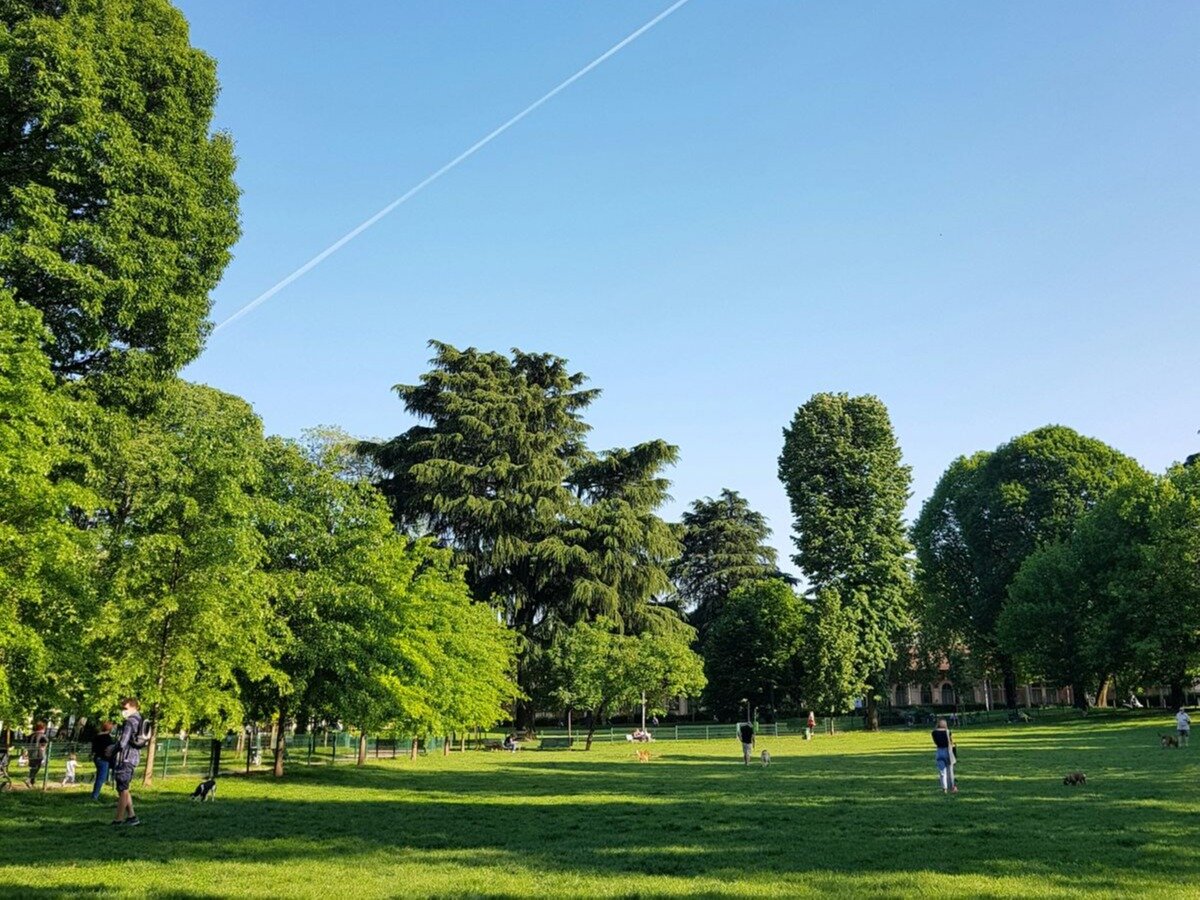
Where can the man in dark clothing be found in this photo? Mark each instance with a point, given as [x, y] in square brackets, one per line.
[746, 736]
[39, 747]
[101, 741]
[125, 757]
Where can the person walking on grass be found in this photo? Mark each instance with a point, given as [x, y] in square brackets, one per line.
[101, 741]
[1183, 724]
[746, 736]
[39, 746]
[126, 755]
[943, 740]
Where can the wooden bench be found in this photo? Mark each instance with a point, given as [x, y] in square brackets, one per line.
[556, 743]
[493, 745]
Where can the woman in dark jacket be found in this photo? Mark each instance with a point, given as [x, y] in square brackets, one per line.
[943, 740]
[100, 743]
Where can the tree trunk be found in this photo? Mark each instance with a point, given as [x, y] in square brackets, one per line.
[1010, 682]
[214, 759]
[279, 740]
[362, 747]
[1078, 695]
[446, 746]
[412, 750]
[592, 720]
[148, 775]
[1176, 694]
[1105, 688]
[872, 721]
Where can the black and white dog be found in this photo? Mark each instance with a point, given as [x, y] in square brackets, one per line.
[205, 790]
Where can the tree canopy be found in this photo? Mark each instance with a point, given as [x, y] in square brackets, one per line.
[847, 486]
[723, 546]
[118, 208]
[988, 513]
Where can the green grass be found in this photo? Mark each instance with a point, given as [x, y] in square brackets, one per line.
[853, 815]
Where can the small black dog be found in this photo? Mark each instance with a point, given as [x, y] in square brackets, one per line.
[205, 790]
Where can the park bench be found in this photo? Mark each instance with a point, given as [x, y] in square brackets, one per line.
[556, 743]
[493, 745]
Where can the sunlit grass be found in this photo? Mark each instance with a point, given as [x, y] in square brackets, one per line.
[856, 815]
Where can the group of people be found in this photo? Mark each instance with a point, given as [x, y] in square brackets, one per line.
[112, 754]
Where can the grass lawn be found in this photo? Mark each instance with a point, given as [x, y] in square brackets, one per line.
[854, 815]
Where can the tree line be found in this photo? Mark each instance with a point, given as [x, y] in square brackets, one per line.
[486, 563]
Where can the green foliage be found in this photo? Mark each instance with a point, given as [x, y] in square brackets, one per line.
[751, 648]
[118, 209]
[842, 469]
[723, 546]
[988, 513]
[1076, 606]
[377, 630]
[41, 557]
[183, 606]
[550, 533]
[602, 670]
[830, 677]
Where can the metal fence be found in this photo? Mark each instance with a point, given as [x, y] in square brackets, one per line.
[253, 752]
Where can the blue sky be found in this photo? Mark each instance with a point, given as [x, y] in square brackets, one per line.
[986, 214]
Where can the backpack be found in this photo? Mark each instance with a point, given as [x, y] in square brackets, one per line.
[143, 732]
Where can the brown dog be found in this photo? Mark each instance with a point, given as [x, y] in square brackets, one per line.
[1169, 741]
[1075, 778]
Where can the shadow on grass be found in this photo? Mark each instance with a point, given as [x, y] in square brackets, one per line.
[815, 810]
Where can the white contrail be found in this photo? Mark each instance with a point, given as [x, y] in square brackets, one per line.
[417, 188]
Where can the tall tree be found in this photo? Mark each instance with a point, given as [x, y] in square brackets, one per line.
[184, 607]
[842, 469]
[118, 208]
[750, 652]
[1092, 585]
[988, 513]
[724, 546]
[827, 654]
[549, 532]
[43, 564]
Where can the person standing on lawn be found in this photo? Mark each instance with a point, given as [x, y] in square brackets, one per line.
[101, 741]
[39, 746]
[943, 740]
[125, 757]
[1183, 724]
[746, 736]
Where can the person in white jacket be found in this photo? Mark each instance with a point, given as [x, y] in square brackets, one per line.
[1183, 724]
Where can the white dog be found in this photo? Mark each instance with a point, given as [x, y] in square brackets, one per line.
[766, 757]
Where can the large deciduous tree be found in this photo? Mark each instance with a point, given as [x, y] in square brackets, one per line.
[751, 649]
[602, 670]
[988, 513]
[550, 533]
[184, 609]
[842, 469]
[42, 562]
[723, 546]
[117, 204]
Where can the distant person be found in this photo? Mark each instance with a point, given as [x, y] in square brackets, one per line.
[38, 749]
[811, 725]
[126, 755]
[1183, 724]
[510, 742]
[101, 741]
[943, 740]
[746, 736]
[72, 763]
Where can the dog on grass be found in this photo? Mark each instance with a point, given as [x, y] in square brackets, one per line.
[1169, 741]
[766, 757]
[1075, 778]
[643, 755]
[205, 790]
